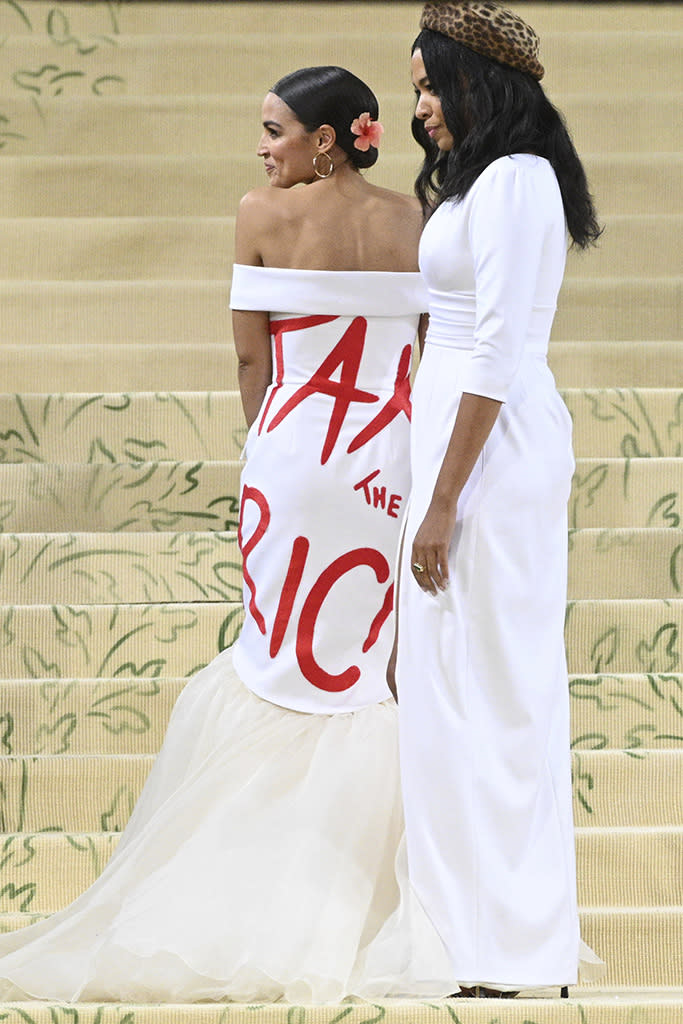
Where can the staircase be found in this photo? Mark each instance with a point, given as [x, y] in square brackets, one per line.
[127, 136]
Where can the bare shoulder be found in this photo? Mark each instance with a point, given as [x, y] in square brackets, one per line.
[255, 203]
[400, 204]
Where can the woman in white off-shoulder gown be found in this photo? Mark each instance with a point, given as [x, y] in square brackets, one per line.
[264, 857]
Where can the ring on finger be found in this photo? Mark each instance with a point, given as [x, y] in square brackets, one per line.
[417, 567]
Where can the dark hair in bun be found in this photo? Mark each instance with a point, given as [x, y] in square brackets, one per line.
[334, 96]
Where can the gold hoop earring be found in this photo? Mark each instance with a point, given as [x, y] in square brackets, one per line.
[319, 173]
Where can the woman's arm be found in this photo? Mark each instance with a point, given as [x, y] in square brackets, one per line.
[507, 227]
[251, 334]
[473, 424]
[422, 331]
[251, 329]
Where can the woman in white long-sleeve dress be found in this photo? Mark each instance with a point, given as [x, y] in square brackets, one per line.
[481, 668]
[262, 859]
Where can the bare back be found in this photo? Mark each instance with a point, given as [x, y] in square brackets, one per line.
[342, 223]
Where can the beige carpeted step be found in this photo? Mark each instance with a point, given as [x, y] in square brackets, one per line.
[160, 496]
[95, 367]
[645, 563]
[130, 568]
[89, 793]
[86, 716]
[619, 308]
[144, 496]
[624, 636]
[647, 862]
[619, 364]
[174, 186]
[633, 245]
[150, 16]
[626, 421]
[129, 715]
[209, 125]
[43, 872]
[628, 711]
[118, 248]
[121, 427]
[621, 1007]
[637, 944]
[627, 493]
[67, 641]
[124, 427]
[95, 568]
[201, 248]
[62, 312]
[149, 64]
[124, 367]
[114, 640]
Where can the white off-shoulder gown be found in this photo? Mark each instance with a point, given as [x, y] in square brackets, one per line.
[264, 858]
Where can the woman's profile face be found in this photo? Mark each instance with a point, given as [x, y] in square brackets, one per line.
[428, 107]
[285, 145]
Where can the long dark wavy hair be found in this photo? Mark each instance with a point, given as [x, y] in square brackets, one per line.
[331, 95]
[491, 111]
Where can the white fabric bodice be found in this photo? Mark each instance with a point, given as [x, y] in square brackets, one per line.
[493, 263]
[325, 484]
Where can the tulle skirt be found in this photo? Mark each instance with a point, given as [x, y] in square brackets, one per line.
[264, 860]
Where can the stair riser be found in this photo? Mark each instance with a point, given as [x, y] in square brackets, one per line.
[628, 422]
[624, 1009]
[594, 364]
[129, 716]
[131, 568]
[625, 564]
[177, 496]
[148, 65]
[124, 427]
[43, 873]
[202, 249]
[121, 640]
[148, 18]
[149, 186]
[90, 794]
[119, 427]
[63, 312]
[85, 641]
[96, 367]
[211, 125]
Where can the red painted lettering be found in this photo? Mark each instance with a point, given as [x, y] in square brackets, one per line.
[379, 497]
[364, 484]
[305, 635]
[379, 619]
[399, 402]
[394, 502]
[347, 353]
[289, 590]
[253, 494]
[278, 328]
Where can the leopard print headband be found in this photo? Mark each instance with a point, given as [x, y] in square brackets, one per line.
[486, 28]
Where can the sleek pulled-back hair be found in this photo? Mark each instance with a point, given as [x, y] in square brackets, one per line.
[491, 111]
[334, 96]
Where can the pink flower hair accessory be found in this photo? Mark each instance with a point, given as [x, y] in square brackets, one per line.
[369, 132]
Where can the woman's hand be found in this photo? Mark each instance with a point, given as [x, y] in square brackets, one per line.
[429, 556]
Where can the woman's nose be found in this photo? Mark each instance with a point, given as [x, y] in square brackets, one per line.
[262, 149]
[422, 108]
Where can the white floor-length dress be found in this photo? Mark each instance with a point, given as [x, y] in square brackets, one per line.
[265, 855]
[482, 677]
